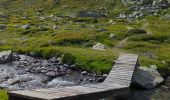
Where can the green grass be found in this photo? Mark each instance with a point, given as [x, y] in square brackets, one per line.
[76, 36]
[3, 95]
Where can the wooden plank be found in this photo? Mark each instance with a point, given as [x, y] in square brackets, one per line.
[122, 74]
[33, 95]
[65, 89]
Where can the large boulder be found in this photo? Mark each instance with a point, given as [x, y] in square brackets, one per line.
[5, 56]
[146, 78]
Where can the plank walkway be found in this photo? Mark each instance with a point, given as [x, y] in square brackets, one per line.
[117, 83]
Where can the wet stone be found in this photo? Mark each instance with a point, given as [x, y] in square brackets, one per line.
[25, 72]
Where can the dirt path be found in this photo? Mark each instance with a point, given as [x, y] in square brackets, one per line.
[122, 42]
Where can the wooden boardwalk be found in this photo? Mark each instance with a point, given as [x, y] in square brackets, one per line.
[117, 83]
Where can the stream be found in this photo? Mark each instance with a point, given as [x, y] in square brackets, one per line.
[160, 93]
[25, 72]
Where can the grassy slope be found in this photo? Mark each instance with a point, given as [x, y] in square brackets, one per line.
[78, 38]
[74, 35]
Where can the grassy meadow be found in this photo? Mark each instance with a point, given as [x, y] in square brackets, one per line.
[74, 37]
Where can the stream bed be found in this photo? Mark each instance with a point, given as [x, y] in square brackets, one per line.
[25, 72]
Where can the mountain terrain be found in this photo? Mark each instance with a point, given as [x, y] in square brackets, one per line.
[71, 28]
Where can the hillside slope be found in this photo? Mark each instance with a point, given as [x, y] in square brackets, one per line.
[49, 28]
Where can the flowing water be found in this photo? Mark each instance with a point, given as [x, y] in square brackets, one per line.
[31, 73]
[159, 93]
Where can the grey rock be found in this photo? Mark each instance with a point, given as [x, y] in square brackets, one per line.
[42, 19]
[27, 26]
[150, 55]
[4, 85]
[2, 42]
[101, 79]
[112, 36]
[91, 80]
[84, 73]
[167, 16]
[99, 46]
[144, 7]
[51, 74]
[5, 56]
[55, 27]
[14, 87]
[122, 15]
[105, 75]
[147, 78]
[91, 14]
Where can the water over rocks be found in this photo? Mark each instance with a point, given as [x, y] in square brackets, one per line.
[25, 72]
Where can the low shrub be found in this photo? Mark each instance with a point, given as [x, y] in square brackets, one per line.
[50, 52]
[68, 59]
[137, 31]
[165, 71]
[153, 38]
[34, 30]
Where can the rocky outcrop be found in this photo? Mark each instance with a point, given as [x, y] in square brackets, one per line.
[141, 8]
[5, 56]
[147, 78]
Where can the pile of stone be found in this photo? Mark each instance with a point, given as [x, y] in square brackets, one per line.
[99, 46]
[20, 72]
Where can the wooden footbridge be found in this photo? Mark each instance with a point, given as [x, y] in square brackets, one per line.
[117, 83]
